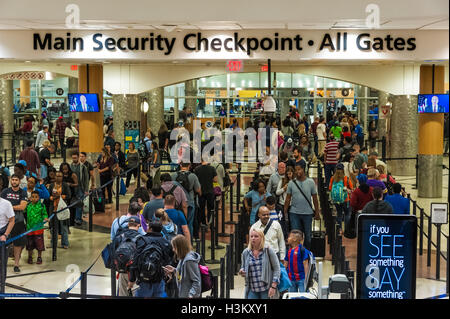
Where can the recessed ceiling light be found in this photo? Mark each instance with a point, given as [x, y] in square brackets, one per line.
[27, 61]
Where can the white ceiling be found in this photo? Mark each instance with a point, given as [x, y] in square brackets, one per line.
[223, 15]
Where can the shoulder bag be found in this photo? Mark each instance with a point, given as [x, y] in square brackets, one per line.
[295, 182]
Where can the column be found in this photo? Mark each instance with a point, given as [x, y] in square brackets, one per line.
[284, 103]
[190, 89]
[73, 88]
[91, 124]
[127, 107]
[431, 140]
[361, 92]
[155, 114]
[6, 112]
[403, 135]
[25, 91]
[383, 99]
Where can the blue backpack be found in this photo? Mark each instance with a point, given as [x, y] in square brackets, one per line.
[338, 194]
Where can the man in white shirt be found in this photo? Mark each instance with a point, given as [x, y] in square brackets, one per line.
[273, 232]
[6, 224]
[321, 135]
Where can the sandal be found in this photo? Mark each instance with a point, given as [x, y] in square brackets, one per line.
[39, 261]
[30, 260]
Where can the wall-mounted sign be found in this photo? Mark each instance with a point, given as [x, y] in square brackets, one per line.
[131, 134]
[439, 213]
[59, 91]
[235, 66]
[294, 92]
[386, 265]
[24, 76]
[264, 68]
[385, 111]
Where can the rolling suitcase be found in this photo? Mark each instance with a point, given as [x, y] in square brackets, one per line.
[318, 241]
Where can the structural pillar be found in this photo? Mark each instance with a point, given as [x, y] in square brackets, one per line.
[90, 80]
[362, 107]
[73, 88]
[6, 112]
[155, 114]
[24, 91]
[127, 107]
[431, 139]
[383, 124]
[403, 135]
[190, 89]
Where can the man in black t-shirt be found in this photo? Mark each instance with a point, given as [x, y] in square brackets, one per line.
[44, 158]
[89, 167]
[207, 175]
[18, 199]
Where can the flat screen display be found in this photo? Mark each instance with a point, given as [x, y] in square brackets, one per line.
[386, 265]
[432, 103]
[83, 102]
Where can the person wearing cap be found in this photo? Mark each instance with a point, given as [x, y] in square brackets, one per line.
[342, 209]
[288, 147]
[30, 158]
[42, 136]
[362, 194]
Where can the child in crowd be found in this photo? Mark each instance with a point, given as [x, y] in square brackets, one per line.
[296, 261]
[35, 215]
[169, 228]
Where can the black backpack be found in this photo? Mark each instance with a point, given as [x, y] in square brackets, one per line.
[183, 179]
[124, 253]
[149, 263]
[4, 178]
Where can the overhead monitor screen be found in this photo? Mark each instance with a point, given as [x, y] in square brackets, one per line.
[432, 103]
[83, 102]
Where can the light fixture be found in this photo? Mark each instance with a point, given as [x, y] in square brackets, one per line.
[250, 83]
[27, 61]
[144, 106]
[269, 104]
[112, 107]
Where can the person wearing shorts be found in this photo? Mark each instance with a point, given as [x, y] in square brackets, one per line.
[18, 199]
[36, 216]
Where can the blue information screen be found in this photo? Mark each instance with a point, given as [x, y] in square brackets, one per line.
[432, 103]
[387, 246]
[83, 102]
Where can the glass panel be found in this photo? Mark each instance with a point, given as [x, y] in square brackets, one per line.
[303, 81]
[284, 80]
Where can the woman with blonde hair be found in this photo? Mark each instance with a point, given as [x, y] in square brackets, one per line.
[187, 273]
[260, 267]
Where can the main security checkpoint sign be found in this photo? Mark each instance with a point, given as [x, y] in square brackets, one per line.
[387, 246]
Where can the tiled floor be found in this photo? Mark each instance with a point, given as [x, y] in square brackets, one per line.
[85, 248]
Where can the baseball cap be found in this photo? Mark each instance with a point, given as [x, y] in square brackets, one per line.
[289, 140]
[340, 166]
[23, 163]
[134, 219]
[60, 117]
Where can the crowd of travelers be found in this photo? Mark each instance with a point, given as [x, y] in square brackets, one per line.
[165, 215]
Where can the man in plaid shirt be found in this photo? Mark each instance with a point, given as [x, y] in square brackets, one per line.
[60, 129]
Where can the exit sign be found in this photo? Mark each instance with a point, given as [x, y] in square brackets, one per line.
[235, 66]
[264, 68]
[74, 67]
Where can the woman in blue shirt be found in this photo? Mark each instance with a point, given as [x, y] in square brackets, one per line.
[258, 196]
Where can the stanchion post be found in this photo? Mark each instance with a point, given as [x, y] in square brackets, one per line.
[212, 246]
[203, 231]
[223, 214]
[113, 282]
[222, 278]
[91, 211]
[438, 252]
[3, 265]
[421, 233]
[228, 267]
[417, 172]
[197, 246]
[5, 158]
[383, 149]
[237, 244]
[83, 285]
[238, 190]
[430, 229]
[215, 292]
[231, 202]
[232, 258]
[55, 227]
[117, 192]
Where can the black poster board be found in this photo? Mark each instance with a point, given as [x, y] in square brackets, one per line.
[386, 265]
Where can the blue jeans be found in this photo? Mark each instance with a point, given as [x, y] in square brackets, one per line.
[329, 171]
[190, 220]
[44, 171]
[156, 290]
[343, 211]
[79, 214]
[297, 286]
[258, 295]
[303, 223]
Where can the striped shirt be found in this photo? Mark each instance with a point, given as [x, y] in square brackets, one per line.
[295, 258]
[255, 273]
[332, 150]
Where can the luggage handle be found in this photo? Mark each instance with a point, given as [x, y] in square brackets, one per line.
[320, 223]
